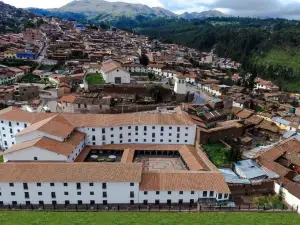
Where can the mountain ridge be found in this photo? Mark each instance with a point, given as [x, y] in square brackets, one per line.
[110, 10]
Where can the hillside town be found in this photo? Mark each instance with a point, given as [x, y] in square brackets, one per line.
[102, 116]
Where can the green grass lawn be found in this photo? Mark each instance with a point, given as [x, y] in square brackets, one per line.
[1, 158]
[95, 79]
[218, 153]
[146, 218]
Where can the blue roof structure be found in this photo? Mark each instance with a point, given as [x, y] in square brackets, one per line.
[232, 178]
[289, 134]
[281, 121]
[249, 169]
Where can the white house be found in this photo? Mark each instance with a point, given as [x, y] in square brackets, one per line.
[135, 68]
[114, 73]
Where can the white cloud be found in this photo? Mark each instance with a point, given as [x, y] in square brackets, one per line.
[37, 3]
[59, 3]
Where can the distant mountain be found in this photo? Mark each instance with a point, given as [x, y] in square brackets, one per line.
[204, 14]
[93, 8]
[13, 19]
[100, 10]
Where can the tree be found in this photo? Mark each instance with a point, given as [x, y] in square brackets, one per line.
[144, 60]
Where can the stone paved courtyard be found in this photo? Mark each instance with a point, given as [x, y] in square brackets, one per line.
[160, 163]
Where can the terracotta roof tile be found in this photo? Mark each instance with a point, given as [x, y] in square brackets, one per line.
[70, 172]
[191, 158]
[184, 181]
[63, 148]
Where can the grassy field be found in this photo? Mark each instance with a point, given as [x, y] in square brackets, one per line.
[95, 79]
[55, 218]
[218, 153]
[282, 57]
[1, 158]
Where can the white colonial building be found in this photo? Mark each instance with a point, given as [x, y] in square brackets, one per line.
[48, 155]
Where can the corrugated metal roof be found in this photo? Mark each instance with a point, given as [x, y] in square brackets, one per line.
[281, 121]
[250, 169]
[232, 178]
[289, 134]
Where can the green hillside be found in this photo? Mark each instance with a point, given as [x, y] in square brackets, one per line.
[266, 47]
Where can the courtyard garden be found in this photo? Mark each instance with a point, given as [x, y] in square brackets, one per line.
[95, 78]
[218, 153]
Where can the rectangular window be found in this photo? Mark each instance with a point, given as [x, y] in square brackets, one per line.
[219, 196]
[11, 131]
[145, 128]
[52, 184]
[104, 194]
[91, 184]
[25, 186]
[131, 202]
[131, 184]
[178, 135]
[103, 138]
[225, 195]
[121, 128]
[121, 136]
[178, 129]
[129, 127]
[103, 130]
[9, 123]
[91, 193]
[65, 184]
[38, 184]
[104, 202]
[35, 158]
[162, 129]
[157, 192]
[153, 127]
[40, 193]
[66, 193]
[204, 193]
[11, 184]
[145, 192]
[78, 185]
[170, 128]
[78, 192]
[169, 201]
[13, 193]
[132, 194]
[192, 192]
[53, 195]
[181, 192]
[93, 138]
[180, 201]
[153, 135]
[104, 186]
[79, 202]
[93, 129]
[92, 202]
[25, 125]
[169, 192]
[211, 194]
[157, 202]
[145, 202]
[112, 129]
[136, 128]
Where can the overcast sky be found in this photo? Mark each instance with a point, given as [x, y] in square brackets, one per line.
[275, 8]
